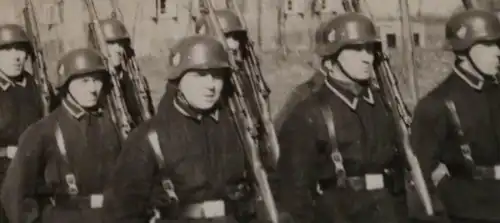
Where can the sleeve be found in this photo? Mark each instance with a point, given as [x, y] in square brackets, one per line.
[20, 183]
[127, 195]
[428, 132]
[295, 171]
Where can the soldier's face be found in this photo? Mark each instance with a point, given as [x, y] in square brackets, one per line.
[233, 43]
[357, 61]
[12, 60]
[202, 88]
[486, 57]
[116, 52]
[86, 90]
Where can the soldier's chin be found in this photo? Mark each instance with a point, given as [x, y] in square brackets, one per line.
[364, 81]
[205, 105]
[89, 103]
[13, 72]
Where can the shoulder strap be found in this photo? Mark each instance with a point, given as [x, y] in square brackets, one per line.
[69, 177]
[166, 183]
[335, 155]
[455, 121]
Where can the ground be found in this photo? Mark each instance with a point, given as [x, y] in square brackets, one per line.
[283, 75]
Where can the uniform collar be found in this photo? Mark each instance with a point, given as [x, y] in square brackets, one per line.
[475, 81]
[182, 106]
[349, 98]
[76, 110]
[6, 83]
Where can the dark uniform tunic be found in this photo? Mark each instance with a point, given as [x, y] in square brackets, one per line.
[366, 139]
[203, 159]
[477, 101]
[38, 170]
[20, 106]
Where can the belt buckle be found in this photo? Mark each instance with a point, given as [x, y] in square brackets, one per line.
[374, 181]
[213, 209]
[496, 170]
[207, 209]
[11, 152]
[96, 201]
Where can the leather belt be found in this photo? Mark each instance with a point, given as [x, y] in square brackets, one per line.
[94, 201]
[487, 172]
[206, 209]
[368, 182]
[479, 173]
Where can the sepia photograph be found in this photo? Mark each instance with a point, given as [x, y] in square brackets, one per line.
[249, 111]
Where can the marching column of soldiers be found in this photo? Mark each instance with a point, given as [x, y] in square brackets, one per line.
[341, 151]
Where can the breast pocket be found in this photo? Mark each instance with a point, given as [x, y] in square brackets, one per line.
[7, 111]
[189, 172]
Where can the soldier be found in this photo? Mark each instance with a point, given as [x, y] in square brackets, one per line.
[20, 102]
[236, 34]
[338, 144]
[64, 160]
[120, 49]
[239, 43]
[189, 153]
[458, 147]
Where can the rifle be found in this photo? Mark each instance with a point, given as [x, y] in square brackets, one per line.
[141, 86]
[37, 58]
[261, 92]
[118, 109]
[132, 69]
[245, 126]
[392, 97]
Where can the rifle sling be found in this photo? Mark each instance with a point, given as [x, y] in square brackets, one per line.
[335, 155]
[166, 183]
[457, 127]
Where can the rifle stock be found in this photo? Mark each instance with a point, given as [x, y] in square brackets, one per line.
[118, 109]
[38, 62]
[245, 126]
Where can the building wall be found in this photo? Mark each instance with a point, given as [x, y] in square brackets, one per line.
[272, 25]
[387, 27]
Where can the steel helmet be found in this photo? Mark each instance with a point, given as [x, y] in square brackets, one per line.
[114, 30]
[466, 28]
[196, 52]
[79, 62]
[343, 30]
[12, 33]
[228, 20]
